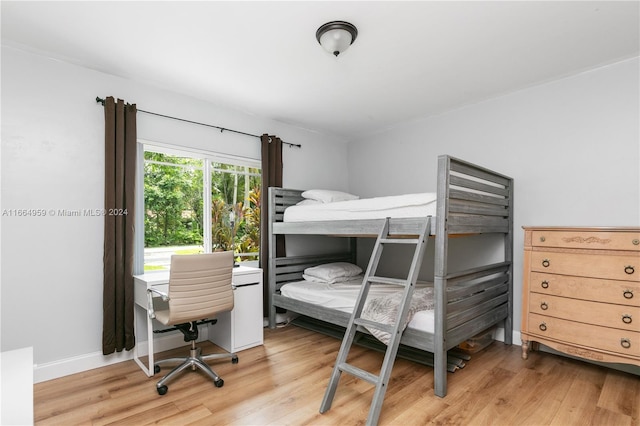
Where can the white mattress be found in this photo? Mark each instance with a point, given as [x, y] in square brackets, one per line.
[342, 296]
[397, 206]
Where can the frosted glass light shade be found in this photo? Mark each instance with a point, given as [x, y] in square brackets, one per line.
[336, 37]
[335, 41]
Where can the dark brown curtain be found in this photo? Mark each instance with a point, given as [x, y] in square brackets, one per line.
[271, 176]
[119, 202]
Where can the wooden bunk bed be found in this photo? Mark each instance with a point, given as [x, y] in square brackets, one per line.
[471, 200]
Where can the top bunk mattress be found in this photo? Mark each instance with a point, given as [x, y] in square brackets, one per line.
[396, 206]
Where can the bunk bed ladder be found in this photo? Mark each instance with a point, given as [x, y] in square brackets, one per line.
[395, 330]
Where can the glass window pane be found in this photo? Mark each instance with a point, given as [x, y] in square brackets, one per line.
[235, 210]
[173, 198]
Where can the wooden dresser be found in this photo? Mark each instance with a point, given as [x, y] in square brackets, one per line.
[581, 292]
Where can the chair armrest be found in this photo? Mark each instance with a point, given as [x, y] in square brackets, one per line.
[162, 294]
[150, 291]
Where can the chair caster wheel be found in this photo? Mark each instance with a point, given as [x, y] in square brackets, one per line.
[162, 390]
[218, 383]
[234, 360]
[156, 369]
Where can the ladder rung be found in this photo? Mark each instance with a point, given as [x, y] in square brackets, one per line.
[387, 328]
[385, 280]
[413, 241]
[358, 372]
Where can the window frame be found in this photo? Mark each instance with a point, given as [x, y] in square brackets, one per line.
[208, 158]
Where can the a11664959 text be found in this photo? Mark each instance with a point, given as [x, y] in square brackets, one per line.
[29, 212]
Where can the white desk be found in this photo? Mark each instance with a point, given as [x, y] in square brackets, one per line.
[239, 329]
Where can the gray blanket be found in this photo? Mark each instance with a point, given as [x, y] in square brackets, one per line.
[385, 310]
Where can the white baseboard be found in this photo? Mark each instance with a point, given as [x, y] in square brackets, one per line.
[498, 335]
[517, 338]
[78, 364]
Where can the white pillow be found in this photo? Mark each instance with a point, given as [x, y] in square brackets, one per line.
[328, 196]
[331, 272]
[308, 202]
[334, 280]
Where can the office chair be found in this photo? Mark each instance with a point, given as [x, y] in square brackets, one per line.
[199, 288]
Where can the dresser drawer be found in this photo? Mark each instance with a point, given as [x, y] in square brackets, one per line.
[606, 315]
[604, 240]
[604, 338]
[606, 291]
[623, 267]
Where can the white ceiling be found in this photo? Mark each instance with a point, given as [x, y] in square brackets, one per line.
[410, 60]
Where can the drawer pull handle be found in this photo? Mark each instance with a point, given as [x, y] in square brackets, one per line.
[625, 343]
[628, 294]
[544, 284]
[546, 263]
[544, 306]
[543, 327]
[626, 318]
[636, 242]
[629, 270]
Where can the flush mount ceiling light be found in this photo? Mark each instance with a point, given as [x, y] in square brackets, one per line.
[336, 36]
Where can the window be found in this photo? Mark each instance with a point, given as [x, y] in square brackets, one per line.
[197, 202]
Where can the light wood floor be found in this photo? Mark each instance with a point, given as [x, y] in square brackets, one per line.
[283, 382]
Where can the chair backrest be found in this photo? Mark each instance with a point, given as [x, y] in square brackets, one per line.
[200, 286]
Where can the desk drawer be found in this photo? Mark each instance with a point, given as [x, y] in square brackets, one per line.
[604, 314]
[246, 279]
[606, 291]
[622, 267]
[603, 240]
[597, 337]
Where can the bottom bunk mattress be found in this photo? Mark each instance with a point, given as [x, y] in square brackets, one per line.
[342, 296]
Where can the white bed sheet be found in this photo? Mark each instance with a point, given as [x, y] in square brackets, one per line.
[342, 296]
[397, 206]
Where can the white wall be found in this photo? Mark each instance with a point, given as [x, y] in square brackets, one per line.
[52, 158]
[572, 147]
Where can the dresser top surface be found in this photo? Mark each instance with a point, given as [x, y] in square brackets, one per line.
[583, 228]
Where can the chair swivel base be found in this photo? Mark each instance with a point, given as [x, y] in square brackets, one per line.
[195, 359]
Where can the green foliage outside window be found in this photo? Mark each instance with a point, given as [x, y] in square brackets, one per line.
[173, 193]
[173, 200]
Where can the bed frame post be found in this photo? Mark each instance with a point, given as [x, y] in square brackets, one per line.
[440, 279]
[508, 257]
[271, 287]
[353, 249]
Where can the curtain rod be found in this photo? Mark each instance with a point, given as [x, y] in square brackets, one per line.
[222, 129]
